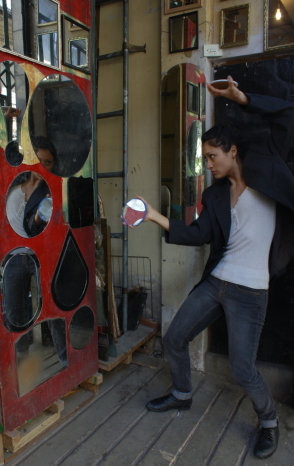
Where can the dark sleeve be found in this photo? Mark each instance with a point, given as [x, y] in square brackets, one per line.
[29, 224]
[279, 114]
[196, 234]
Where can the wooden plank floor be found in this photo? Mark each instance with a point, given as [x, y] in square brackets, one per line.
[114, 427]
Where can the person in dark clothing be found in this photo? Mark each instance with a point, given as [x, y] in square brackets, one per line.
[243, 220]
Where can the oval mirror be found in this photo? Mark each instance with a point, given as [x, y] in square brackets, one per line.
[81, 328]
[21, 289]
[60, 120]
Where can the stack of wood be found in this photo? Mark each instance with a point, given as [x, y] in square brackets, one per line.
[103, 270]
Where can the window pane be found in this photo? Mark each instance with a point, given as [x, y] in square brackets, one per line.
[47, 11]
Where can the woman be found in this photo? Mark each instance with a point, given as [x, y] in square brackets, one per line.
[240, 221]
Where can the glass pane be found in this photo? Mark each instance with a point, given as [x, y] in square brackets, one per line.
[47, 11]
[59, 113]
[80, 202]
[28, 204]
[13, 100]
[41, 353]
[78, 52]
[75, 44]
[81, 328]
[47, 48]
[31, 29]
[21, 293]
[70, 279]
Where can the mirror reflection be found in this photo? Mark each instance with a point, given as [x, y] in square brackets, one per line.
[25, 204]
[183, 112]
[21, 289]
[134, 212]
[71, 276]
[30, 28]
[75, 44]
[41, 353]
[47, 11]
[59, 113]
[13, 100]
[81, 328]
[183, 32]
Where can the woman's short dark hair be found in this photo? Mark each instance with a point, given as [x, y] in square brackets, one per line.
[224, 136]
[41, 142]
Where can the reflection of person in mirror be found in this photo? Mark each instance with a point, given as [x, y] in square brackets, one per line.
[11, 112]
[45, 152]
[23, 200]
[243, 216]
[22, 203]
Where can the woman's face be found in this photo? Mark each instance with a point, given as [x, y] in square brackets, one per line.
[46, 158]
[220, 163]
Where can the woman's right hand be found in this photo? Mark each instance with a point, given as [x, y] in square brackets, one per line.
[231, 92]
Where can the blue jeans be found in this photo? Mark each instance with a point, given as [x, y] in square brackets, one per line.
[244, 309]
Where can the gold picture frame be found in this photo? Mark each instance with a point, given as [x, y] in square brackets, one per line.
[278, 30]
[234, 26]
[171, 6]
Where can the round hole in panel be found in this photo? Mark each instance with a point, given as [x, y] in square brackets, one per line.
[60, 123]
[81, 328]
[13, 101]
[28, 204]
[21, 289]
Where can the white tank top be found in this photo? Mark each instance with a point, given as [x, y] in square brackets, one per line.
[245, 261]
[15, 206]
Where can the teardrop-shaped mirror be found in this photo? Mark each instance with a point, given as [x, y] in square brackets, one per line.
[70, 278]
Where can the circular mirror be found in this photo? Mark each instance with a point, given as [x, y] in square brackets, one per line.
[21, 289]
[81, 328]
[28, 204]
[134, 212]
[60, 125]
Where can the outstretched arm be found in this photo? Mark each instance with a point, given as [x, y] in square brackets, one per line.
[278, 113]
[177, 232]
[154, 216]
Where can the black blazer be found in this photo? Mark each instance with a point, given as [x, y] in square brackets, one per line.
[265, 171]
[29, 224]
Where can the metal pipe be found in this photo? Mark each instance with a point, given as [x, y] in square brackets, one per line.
[94, 103]
[125, 159]
[108, 56]
[110, 175]
[6, 25]
[115, 113]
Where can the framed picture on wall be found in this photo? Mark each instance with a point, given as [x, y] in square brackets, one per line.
[234, 26]
[172, 6]
[278, 24]
[183, 32]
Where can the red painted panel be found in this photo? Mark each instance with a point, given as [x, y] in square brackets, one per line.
[47, 246]
[80, 10]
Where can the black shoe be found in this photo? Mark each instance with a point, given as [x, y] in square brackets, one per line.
[167, 402]
[267, 442]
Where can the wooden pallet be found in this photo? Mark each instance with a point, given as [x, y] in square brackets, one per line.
[22, 436]
[18, 438]
[128, 343]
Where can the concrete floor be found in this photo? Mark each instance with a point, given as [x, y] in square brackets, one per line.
[114, 427]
